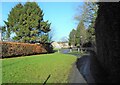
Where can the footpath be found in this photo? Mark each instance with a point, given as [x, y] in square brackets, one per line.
[80, 73]
[76, 76]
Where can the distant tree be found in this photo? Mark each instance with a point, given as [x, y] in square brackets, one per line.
[26, 21]
[91, 13]
[81, 33]
[90, 18]
[88, 14]
[91, 34]
[72, 37]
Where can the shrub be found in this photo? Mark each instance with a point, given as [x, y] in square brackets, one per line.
[12, 49]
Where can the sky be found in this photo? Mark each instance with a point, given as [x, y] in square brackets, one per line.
[60, 15]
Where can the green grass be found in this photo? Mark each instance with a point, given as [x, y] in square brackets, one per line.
[36, 68]
[76, 53]
[56, 49]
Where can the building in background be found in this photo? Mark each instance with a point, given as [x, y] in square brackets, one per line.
[64, 44]
[60, 45]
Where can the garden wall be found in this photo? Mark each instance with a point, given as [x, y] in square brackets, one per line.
[12, 49]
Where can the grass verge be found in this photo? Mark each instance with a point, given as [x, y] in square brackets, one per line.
[36, 68]
[76, 53]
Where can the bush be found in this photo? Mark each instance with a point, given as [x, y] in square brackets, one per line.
[11, 49]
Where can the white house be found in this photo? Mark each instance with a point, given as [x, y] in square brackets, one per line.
[56, 45]
[60, 45]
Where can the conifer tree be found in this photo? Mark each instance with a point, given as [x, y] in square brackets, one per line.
[26, 21]
[80, 33]
[72, 37]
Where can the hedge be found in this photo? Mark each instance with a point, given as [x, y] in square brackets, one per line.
[12, 49]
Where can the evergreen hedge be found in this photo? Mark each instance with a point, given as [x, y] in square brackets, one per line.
[12, 49]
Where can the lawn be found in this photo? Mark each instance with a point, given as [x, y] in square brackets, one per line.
[36, 68]
[76, 53]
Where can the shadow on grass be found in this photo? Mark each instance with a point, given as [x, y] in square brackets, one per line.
[46, 80]
[16, 56]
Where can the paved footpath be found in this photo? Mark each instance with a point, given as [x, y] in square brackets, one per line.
[83, 65]
[76, 76]
[81, 68]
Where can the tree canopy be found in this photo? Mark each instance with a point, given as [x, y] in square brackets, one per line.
[26, 22]
[80, 33]
[85, 31]
[72, 39]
